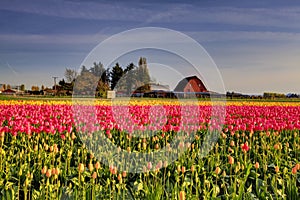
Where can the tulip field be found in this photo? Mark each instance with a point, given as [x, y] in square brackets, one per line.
[255, 156]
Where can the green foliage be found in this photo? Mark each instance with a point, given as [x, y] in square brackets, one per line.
[23, 159]
[116, 74]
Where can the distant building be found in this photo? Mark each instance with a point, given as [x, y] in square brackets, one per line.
[190, 84]
[9, 92]
[1, 88]
[191, 87]
[236, 95]
[153, 90]
[48, 91]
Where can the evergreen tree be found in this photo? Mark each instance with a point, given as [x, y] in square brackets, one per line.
[130, 78]
[116, 73]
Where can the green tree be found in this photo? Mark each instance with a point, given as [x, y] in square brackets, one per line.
[116, 73]
[86, 83]
[130, 78]
[97, 69]
[106, 76]
[35, 88]
[70, 75]
[84, 69]
[102, 89]
[22, 87]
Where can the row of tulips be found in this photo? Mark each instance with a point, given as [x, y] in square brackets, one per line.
[60, 118]
[43, 153]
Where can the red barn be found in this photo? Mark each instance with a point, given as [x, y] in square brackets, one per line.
[190, 84]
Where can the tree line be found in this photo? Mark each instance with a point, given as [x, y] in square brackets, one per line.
[98, 80]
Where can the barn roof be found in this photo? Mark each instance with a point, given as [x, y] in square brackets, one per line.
[181, 85]
[9, 91]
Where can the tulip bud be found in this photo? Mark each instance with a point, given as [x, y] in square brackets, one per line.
[94, 175]
[2, 134]
[276, 169]
[218, 170]
[35, 148]
[91, 156]
[20, 172]
[48, 173]
[181, 195]
[113, 170]
[144, 145]
[193, 146]
[232, 143]
[178, 168]
[57, 171]
[26, 182]
[165, 163]
[73, 136]
[119, 149]
[149, 165]
[287, 144]
[192, 168]
[97, 165]
[183, 169]
[230, 160]
[294, 170]
[53, 171]
[224, 136]
[256, 165]
[224, 173]
[119, 177]
[81, 167]
[44, 170]
[91, 167]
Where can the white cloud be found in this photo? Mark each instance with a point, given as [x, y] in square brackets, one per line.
[52, 39]
[144, 13]
[215, 36]
[78, 9]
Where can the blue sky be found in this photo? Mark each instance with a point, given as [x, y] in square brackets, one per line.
[255, 44]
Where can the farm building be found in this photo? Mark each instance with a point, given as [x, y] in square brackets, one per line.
[189, 87]
[153, 90]
[190, 84]
[2, 88]
[9, 92]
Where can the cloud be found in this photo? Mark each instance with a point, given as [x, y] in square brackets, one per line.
[58, 39]
[215, 36]
[77, 9]
[162, 12]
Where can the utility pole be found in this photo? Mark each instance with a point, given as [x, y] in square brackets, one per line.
[54, 78]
